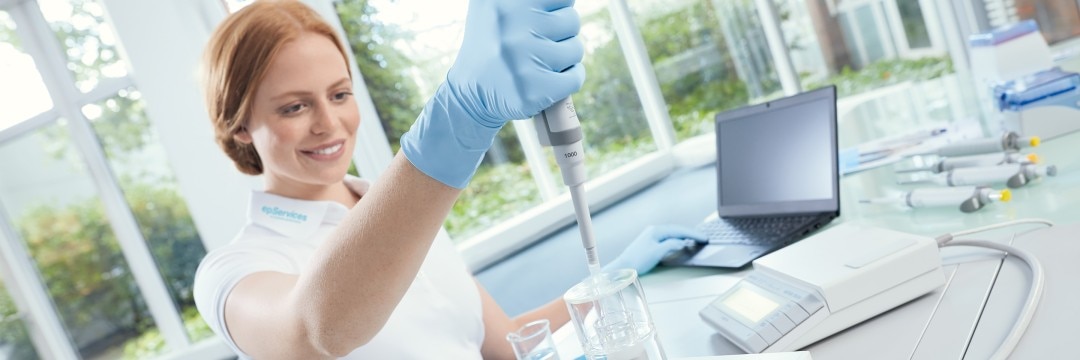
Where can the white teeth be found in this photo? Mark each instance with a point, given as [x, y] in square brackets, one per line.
[329, 150]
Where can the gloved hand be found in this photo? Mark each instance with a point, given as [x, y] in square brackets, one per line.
[652, 245]
[518, 57]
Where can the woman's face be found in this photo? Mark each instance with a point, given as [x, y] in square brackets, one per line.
[304, 118]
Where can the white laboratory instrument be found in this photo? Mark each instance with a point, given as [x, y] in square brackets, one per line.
[967, 198]
[1009, 52]
[1013, 175]
[558, 126]
[1009, 141]
[957, 162]
[824, 284]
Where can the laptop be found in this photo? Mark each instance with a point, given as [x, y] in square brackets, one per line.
[777, 179]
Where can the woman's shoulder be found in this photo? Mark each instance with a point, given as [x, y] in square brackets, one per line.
[254, 245]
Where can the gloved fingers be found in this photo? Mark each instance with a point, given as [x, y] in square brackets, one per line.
[559, 85]
[669, 245]
[561, 55]
[551, 5]
[557, 25]
[660, 232]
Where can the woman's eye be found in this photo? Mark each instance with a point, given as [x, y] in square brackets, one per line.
[342, 95]
[292, 109]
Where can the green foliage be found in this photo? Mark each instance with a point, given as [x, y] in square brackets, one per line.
[386, 71]
[886, 72]
[84, 270]
[145, 346]
[12, 332]
[495, 190]
[174, 241]
[152, 343]
[123, 126]
[81, 37]
[694, 97]
[7, 31]
[197, 329]
[85, 273]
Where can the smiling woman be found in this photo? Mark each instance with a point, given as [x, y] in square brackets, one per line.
[303, 120]
[279, 93]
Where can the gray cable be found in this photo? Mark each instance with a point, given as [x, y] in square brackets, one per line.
[1034, 293]
[1037, 279]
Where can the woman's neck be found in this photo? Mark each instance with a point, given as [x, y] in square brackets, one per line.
[337, 192]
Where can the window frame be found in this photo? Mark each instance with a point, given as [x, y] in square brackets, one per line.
[49, 333]
[372, 155]
[494, 244]
[900, 38]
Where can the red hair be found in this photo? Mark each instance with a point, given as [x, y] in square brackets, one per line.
[236, 61]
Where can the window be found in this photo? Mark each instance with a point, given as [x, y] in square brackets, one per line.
[1058, 20]
[88, 192]
[915, 29]
[403, 50]
[52, 201]
[14, 340]
[709, 56]
[89, 44]
[862, 45]
[23, 94]
[141, 167]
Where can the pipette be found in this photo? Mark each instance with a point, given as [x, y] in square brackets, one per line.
[951, 163]
[558, 126]
[1013, 175]
[968, 198]
[1009, 141]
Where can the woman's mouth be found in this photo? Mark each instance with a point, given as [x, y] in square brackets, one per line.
[329, 152]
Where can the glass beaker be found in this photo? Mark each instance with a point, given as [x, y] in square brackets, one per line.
[612, 318]
[533, 341]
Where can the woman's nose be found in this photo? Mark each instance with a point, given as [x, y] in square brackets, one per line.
[323, 120]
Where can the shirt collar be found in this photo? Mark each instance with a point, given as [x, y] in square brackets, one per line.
[295, 218]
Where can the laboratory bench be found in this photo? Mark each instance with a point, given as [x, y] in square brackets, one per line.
[966, 318]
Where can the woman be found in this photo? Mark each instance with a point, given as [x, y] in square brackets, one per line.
[331, 266]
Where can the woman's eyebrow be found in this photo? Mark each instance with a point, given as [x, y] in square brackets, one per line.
[297, 93]
[300, 93]
[339, 83]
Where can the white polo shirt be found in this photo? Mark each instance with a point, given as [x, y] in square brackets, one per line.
[440, 316]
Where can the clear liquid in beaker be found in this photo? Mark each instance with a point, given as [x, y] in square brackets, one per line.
[545, 354]
[612, 319]
[643, 348]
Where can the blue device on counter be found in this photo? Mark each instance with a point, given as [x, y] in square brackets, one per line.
[1043, 104]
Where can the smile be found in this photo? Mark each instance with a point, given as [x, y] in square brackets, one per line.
[328, 150]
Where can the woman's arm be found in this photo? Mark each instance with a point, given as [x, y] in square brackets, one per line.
[497, 324]
[353, 281]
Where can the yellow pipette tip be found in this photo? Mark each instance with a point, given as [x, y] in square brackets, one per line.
[1034, 159]
[1035, 141]
[1006, 195]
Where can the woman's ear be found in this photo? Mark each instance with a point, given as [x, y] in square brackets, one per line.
[242, 136]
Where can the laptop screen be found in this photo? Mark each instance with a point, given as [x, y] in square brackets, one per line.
[779, 157]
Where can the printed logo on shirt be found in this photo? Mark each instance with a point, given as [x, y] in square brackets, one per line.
[282, 214]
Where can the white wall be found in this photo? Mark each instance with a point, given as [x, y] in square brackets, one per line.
[163, 41]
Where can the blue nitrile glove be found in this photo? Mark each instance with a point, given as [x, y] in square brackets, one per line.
[518, 57]
[652, 245]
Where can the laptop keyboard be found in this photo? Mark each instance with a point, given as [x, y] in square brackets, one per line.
[754, 231]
